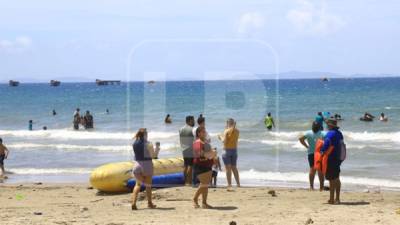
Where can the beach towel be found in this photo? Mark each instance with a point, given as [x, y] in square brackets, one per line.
[321, 163]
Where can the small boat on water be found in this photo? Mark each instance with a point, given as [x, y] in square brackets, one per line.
[325, 79]
[151, 82]
[107, 82]
[55, 83]
[13, 83]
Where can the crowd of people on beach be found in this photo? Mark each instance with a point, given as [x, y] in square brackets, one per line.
[201, 161]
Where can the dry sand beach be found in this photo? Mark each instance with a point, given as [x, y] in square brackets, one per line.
[78, 204]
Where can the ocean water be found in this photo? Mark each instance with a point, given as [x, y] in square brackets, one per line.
[61, 154]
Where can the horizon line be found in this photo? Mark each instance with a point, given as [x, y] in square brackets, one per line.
[184, 80]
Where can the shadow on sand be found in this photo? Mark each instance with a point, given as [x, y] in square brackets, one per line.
[354, 203]
[161, 208]
[223, 208]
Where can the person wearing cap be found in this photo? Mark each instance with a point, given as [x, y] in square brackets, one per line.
[333, 138]
[230, 139]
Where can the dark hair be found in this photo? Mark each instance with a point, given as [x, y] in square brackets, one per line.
[201, 119]
[157, 143]
[320, 113]
[140, 134]
[1, 140]
[316, 127]
[269, 114]
[189, 118]
[30, 121]
[198, 130]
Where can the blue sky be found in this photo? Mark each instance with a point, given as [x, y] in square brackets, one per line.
[45, 39]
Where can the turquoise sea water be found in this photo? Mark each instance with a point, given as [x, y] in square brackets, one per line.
[61, 154]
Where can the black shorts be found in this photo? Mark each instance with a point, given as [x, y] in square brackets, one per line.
[187, 157]
[188, 161]
[197, 170]
[214, 173]
[2, 159]
[311, 160]
[332, 171]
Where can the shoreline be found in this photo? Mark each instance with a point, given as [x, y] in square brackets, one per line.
[50, 203]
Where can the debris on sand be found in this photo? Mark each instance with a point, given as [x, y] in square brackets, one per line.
[309, 221]
[272, 193]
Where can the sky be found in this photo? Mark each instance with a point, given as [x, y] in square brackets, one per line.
[196, 39]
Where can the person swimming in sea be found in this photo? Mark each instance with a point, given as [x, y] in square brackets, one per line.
[269, 121]
[383, 118]
[367, 117]
[30, 125]
[168, 119]
[88, 120]
[338, 116]
[77, 119]
[320, 120]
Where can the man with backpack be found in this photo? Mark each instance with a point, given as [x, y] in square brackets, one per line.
[334, 138]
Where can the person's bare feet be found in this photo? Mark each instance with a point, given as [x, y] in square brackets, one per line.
[195, 204]
[229, 188]
[133, 207]
[151, 205]
[331, 202]
[337, 202]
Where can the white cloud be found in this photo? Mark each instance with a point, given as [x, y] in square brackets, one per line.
[250, 23]
[309, 19]
[18, 45]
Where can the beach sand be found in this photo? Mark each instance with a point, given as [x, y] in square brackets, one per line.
[78, 204]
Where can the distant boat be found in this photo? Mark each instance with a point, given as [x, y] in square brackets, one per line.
[151, 82]
[55, 83]
[325, 79]
[107, 82]
[13, 83]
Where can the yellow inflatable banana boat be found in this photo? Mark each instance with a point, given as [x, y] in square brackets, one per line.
[113, 177]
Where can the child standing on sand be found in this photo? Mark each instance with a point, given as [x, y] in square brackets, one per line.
[3, 155]
[215, 168]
